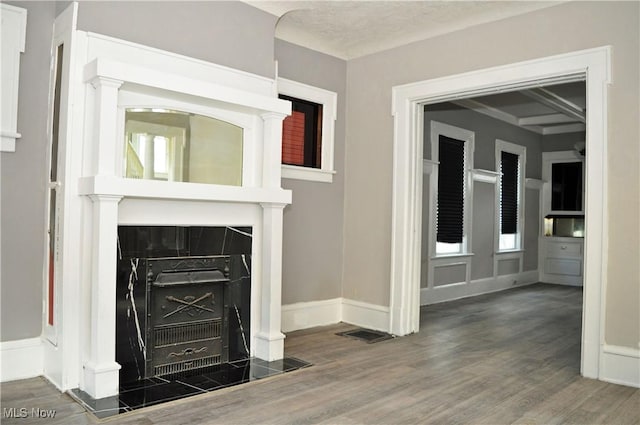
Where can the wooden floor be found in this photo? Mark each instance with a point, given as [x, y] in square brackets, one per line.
[510, 357]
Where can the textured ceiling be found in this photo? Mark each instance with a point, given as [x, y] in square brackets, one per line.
[349, 29]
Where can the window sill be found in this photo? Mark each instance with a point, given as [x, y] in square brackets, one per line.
[447, 256]
[305, 173]
[8, 142]
[509, 251]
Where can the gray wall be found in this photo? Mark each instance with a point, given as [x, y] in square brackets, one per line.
[561, 142]
[532, 221]
[313, 224]
[558, 29]
[487, 130]
[224, 32]
[483, 230]
[22, 180]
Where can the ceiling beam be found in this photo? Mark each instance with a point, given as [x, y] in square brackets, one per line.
[556, 102]
[567, 128]
[538, 124]
[498, 114]
[546, 119]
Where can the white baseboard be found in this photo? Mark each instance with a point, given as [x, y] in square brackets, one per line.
[329, 312]
[21, 359]
[370, 316]
[311, 314]
[562, 280]
[457, 291]
[620, 365]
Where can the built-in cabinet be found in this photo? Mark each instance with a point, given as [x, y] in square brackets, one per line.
[562, 239]
[563, 260]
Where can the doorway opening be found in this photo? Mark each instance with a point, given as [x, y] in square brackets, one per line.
[408, 104]
[503, 192]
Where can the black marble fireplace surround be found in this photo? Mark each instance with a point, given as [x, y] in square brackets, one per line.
[155, 258]
[146, 252]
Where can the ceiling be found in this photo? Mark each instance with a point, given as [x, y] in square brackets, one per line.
[544, 110]
[350, 29]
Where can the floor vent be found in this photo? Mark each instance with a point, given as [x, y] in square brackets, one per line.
[367, 335]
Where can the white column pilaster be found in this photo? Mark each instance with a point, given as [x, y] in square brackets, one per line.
[101, 368]
[105, 128]
[272, 154]
[269, 342]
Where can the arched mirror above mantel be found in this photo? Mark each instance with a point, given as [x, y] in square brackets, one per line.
[171, 145]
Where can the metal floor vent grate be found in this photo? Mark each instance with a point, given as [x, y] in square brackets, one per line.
[367, 335]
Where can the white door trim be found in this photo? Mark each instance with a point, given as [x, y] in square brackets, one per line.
[407, 107]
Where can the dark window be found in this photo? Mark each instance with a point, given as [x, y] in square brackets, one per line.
[450, 222]
[509, 193]
[302, 134]
[566, 186]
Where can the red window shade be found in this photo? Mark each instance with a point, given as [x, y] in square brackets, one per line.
[51, 289]
[302, 134]
[293, 139]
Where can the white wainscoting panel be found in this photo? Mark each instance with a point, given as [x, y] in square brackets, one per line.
[456, 291]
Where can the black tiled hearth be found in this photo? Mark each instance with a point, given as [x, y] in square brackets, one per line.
[149, 392]
[183, 300]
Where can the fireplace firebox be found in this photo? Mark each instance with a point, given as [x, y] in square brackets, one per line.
[187, 324]
[183, 299]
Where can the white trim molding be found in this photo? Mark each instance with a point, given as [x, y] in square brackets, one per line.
[468, 137]
[310, 314]
[531, 183]
[429, 166]
[21, 359]
[14, 28]
[620, 365]
[550, 158]
[592, 66]
[439, 294]
[367, 315]
[485, 176]
[521, 152]
[329, 102]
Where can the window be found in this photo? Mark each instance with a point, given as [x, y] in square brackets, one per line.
[308, 134]
[13, 30]
[450, 191]
[452, 149]
[566, 186]
[510, 161]
[302, 134]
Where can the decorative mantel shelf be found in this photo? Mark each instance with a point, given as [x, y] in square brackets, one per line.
[151, 189]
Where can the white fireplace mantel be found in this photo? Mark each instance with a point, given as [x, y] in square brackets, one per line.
[162, 80]
[151, 189]
[107, 75]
